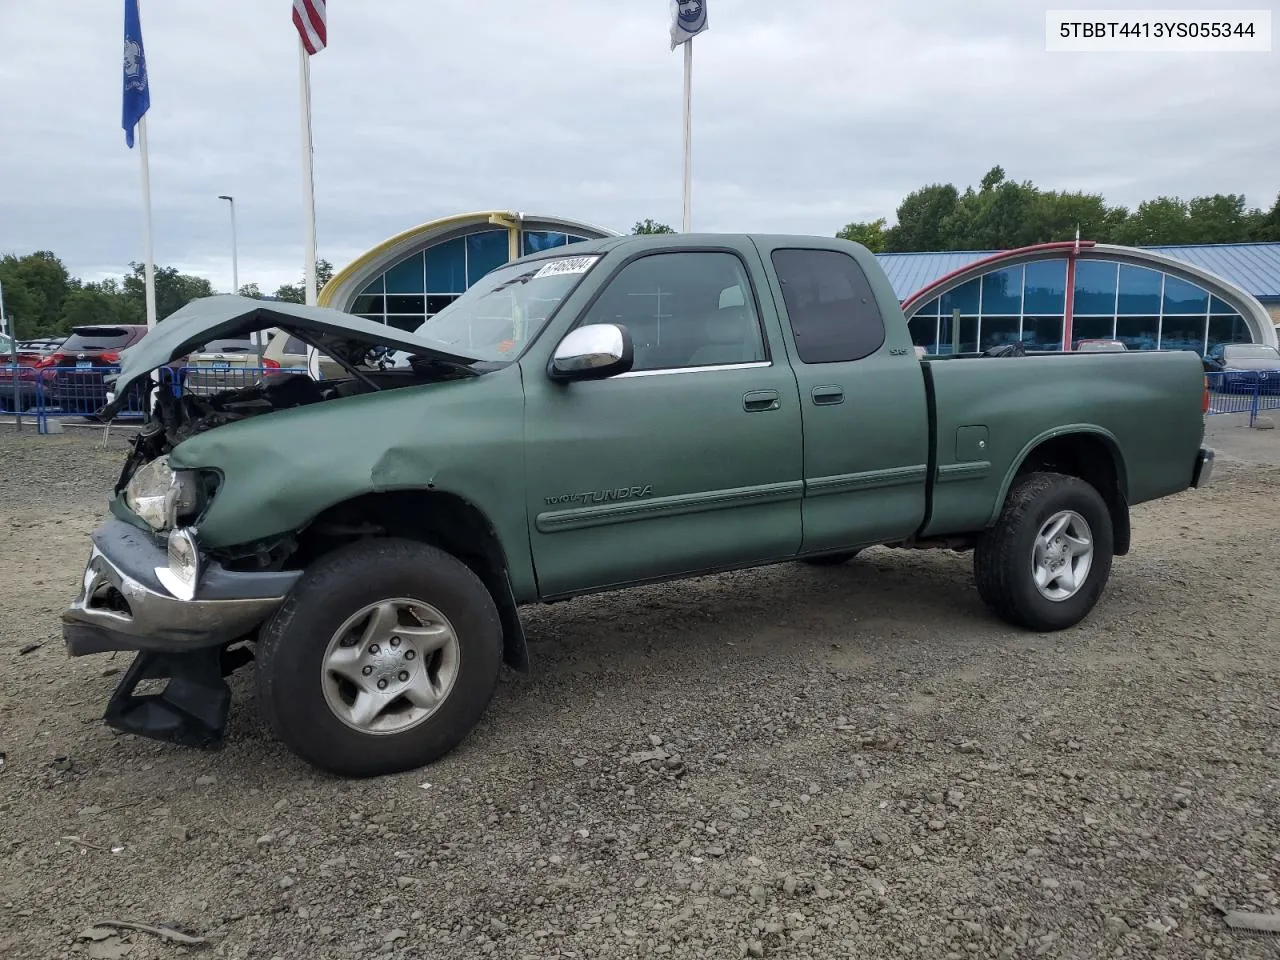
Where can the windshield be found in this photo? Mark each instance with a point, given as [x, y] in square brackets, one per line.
[505, 309]
[6, 345]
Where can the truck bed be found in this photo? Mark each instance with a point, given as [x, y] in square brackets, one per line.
[989, 413]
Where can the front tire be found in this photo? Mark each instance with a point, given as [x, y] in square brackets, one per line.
[383, 658]
[1044, 564]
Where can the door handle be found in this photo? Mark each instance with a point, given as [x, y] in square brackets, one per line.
[758, 401]
[828, 394]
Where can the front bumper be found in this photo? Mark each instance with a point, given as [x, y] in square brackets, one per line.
[1203, 471]
[123, 606]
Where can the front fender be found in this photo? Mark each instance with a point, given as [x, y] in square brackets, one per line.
[282, 469]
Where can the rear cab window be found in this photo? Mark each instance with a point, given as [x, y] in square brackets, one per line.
[830, 305]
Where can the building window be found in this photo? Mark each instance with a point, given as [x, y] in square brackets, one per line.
[535, 241]
[1227, 328]
[1042, 333]
[1144, 308]
[924, 332]
[832, 310]
[1092, 328]
[447, 267]
[486, 251]
[1095, 287]
[1002, 293]
[1138, 333]
[965, 298]
[1182, 333]
[998, 331]
[1139, 290]
[1184, 298]
[1046, 287]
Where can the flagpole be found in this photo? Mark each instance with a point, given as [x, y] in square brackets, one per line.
[688, 133]
[308, 181]
[149, 266]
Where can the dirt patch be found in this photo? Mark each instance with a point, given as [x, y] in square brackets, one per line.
[856, 761]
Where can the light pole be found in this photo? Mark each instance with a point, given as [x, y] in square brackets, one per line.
[235, 266]
[235, 270]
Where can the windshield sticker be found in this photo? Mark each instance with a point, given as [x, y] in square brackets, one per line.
[559, 268]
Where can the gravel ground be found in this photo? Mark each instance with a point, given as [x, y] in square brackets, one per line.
[792, 762]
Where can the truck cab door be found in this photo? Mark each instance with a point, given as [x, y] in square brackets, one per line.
[689, 462]
[862, 396]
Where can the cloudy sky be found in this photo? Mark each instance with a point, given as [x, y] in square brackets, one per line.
[806, 116]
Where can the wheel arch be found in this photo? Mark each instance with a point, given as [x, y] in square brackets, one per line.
[441, 518]
[1085, 451]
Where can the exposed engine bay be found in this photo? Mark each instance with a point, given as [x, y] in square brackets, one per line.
[178, 418]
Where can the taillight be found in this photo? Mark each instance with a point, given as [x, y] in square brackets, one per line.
[50, 360]
[270, 364]
[109, 357]
[1204, 408]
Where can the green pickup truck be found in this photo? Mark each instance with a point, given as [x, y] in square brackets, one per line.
[617, 412]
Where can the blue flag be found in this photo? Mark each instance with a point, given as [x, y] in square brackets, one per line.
[137, 92]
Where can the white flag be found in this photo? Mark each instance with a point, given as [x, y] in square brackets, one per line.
[688, 19]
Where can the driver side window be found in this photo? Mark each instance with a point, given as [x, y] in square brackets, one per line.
[684, 310]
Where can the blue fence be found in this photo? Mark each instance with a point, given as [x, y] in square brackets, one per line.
[1244, 391]
[52, 392]
[70, 392]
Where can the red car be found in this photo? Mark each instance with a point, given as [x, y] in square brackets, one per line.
[72, 377]
[24, 377]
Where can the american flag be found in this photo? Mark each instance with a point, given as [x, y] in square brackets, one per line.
[309, 18]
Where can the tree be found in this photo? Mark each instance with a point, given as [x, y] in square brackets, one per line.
[1002, 213]
[920, 218]
[297, 293]
[1267, 226]
[870, 235]
[93, 303]
[34, 287]
[174, 290]
[647, 226]
[250, 290]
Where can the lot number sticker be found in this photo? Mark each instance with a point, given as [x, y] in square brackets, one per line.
[569, 265]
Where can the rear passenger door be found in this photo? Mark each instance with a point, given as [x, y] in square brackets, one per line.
[862, 398]
[689, 462]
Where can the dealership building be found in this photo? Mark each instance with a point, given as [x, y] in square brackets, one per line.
[1047, 295]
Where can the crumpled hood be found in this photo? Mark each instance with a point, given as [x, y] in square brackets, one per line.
[226, 316]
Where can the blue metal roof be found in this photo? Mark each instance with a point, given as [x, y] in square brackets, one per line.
[1254, 267]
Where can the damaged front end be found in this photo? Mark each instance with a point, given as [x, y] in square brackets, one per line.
[150, 586]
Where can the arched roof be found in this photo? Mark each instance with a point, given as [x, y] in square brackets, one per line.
[1261, 326]
[342, 289]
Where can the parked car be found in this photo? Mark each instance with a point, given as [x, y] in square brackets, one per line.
[288, 355]
[1101, 346]
[41, 347]
[223, 365]
[1244, 368]
[74, 381]
[559, 430]
[19, 386]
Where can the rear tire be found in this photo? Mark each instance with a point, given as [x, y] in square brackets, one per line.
[383, 658]
[831, 559]
[1045, 563]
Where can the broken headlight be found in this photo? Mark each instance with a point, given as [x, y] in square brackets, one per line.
[160, 495]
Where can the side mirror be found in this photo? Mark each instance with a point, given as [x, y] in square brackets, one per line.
[594, 352]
